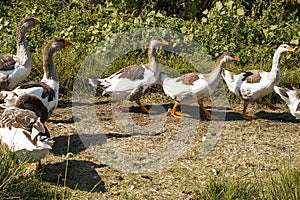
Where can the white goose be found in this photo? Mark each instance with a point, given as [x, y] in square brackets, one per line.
[187, 86]
[131, 82]
[254, 84]
[47, 89]
[292, 98]
[23, 133]
[15, 68]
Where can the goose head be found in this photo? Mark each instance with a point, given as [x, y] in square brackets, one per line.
[284, 49]
[28, 22]
[54, 45]
[157, 41]
[57, 43]
[226, 58]
[229, 57]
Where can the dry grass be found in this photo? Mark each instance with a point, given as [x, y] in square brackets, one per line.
[246, 150]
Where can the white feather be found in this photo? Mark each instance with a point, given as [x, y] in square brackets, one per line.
[292, 100]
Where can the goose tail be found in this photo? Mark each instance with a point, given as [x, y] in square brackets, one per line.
[98, 82]
[282, 92]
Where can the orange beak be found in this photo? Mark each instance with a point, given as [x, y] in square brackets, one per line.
[36, 21]
[164, 42]
[67, 43]
[290, 49]
[236, 58]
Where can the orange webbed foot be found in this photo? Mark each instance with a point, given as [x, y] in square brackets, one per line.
[177, 114]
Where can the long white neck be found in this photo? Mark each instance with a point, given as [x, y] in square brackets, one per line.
[276, 62]
[23, 53]
[275, 71]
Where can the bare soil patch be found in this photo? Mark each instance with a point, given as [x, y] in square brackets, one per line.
[245, 149]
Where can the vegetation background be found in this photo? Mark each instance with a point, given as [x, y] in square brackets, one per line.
[252, 29]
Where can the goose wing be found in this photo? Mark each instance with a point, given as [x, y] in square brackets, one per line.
[7, 62]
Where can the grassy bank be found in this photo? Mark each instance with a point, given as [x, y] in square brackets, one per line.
[251, 29]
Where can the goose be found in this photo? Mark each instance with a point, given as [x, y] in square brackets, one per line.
[131, 82]
[23, 133]
[47, 89]
[183, 88]
[254, 84]
[292, 98]
[15, 68]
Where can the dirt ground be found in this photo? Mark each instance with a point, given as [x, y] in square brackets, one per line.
[131, 155]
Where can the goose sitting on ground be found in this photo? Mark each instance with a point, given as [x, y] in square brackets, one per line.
[131, 82]
[15, 68]
[254, 84]
[190, 85]
[47, 89]
[23, 133]
[292, 98]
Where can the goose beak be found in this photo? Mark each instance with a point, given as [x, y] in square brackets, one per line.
[36, 21]
[290, 49]
[164, 42]
[236, 58]
[67, 43]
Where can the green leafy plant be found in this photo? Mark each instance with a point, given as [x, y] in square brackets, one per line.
[251, 29]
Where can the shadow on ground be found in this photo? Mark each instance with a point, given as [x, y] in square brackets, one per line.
[79, 143]
[281, 117]
[81, 175]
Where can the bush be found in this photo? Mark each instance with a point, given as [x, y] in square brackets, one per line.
[251, 29]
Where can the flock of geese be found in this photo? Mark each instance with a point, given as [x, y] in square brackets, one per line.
[29, 105]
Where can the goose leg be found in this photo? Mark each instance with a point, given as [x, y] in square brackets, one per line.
[120, 105]
[269, 105]
[143, 108]
[175, 113]
[207, 113]
[244, 115]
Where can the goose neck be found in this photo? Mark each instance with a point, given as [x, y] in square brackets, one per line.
[216, 72]
[50, 71]
[276, 62]
[152, 59]
[23, 53]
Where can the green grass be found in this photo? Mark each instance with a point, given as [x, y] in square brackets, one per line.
[14, 184]
[251, 29]
[222, 189]
[285, 185]
[281, 185]
[223, 26]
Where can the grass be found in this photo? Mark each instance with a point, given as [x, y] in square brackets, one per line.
[187, 177]
[224, 189]
[15, 185]
[87, 25]
[285, 185]
[74, 20]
